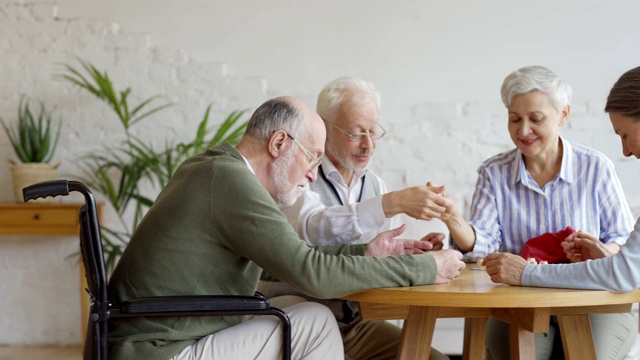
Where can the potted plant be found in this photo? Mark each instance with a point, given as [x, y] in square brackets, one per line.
[34, 142]
[121, 171]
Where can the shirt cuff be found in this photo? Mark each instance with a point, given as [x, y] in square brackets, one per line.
[526, 272]
[370, 213]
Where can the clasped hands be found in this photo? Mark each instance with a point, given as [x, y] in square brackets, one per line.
[424, 202]
[507, 268]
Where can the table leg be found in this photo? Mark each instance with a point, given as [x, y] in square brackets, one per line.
[521, 343]
[474, 338]
[417, 333]
[577, 339]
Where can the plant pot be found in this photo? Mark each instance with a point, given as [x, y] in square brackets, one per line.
[32, 173]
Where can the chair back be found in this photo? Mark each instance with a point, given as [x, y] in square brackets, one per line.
[92, 258]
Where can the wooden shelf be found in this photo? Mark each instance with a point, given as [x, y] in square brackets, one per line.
[39, 219]
[47, 219]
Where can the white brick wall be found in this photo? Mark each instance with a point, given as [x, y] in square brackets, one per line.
[438, 65]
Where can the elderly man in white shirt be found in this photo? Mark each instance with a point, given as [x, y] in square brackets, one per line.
[350, 204]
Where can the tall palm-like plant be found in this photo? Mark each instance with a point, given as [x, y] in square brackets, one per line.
[100, 85]
[119, 172]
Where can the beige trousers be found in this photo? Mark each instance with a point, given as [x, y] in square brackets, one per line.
[363, 339]
[314, 335]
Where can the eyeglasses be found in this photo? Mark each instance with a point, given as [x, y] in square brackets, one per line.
[358, 137]
[314, 160]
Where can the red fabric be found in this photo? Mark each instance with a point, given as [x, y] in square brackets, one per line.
[547, 247]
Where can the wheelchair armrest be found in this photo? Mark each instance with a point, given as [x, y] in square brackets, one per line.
[204, 305]
[193, 303]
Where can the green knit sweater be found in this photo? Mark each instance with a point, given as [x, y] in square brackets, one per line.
[211, 231]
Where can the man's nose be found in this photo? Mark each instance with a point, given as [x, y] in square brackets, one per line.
[312, 174]
[366, 141]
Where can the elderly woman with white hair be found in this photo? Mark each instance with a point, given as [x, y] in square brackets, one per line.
[543, 186]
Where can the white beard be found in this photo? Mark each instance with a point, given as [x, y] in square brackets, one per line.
[348, 162]
[286, 192]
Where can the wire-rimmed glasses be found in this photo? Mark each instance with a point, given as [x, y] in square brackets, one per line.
[314, 160]
[358, 137]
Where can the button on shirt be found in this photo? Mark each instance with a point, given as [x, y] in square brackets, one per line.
[355, 222]
[508, 207]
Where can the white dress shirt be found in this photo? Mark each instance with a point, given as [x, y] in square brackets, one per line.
[353, 222]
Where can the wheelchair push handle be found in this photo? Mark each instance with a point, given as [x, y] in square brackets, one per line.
[47, 188]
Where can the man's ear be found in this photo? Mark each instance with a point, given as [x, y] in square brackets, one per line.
[277, 144]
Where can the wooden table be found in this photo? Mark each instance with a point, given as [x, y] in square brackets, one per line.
[474, 297]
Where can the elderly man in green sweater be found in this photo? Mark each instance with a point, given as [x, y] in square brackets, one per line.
[216, 225]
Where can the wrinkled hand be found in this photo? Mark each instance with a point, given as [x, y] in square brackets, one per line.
[449, 210]
[505, 268]
[449, 263]
[581, 246]
[435, 239]
[386, 244]
[418, 202]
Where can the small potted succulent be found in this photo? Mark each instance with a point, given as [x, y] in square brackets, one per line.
[34, 142]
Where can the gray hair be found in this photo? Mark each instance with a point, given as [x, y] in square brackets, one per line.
[275, 114]
[345, 90]
[539, 78]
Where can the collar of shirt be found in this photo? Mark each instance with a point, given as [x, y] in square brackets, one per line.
[567, 173]
[248, 165]
[350, 192]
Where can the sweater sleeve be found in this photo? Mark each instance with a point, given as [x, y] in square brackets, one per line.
[617, 273]
[353, 249]
[248, 221]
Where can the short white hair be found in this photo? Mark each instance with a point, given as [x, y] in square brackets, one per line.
[345, 90]
[531, 78]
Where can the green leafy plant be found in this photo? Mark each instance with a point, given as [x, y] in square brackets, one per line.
[99, 84]
[32, 139]
[119, 172]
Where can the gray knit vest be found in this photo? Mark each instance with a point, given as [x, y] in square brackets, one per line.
[329, 195]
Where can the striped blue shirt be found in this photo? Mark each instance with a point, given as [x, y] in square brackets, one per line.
[509, 208]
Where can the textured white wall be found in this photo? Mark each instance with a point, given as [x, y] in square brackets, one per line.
[438, 65]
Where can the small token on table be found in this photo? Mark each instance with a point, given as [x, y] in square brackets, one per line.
[532, 260]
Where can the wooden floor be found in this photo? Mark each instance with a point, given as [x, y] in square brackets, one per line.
[40, 353]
